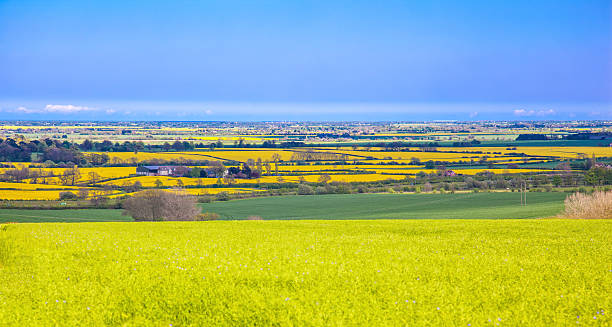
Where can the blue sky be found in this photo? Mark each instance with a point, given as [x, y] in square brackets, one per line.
[305, 60]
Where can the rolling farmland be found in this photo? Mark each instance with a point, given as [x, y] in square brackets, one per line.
[404, 156]
[305, 163]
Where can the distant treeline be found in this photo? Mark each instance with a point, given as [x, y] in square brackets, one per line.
[578, 136]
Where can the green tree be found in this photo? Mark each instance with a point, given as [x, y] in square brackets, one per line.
[195, 172]
[158, 183]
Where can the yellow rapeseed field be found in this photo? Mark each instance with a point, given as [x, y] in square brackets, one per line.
[31, 187]
[243, 154]
[131, 157]
[216, 190]
[468, 152]
[555, 151]
[30, 194]
[523, 272]
[85, 173]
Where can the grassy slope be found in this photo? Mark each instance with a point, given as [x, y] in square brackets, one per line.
[392, 206]
[321, 273]
[351, 206]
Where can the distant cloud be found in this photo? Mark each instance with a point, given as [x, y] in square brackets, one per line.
[523, 112]
[25, 110]
[473, 114]
[110, 111]
[53, 108]
[549, 112]
[208, 112]
[529, 113]
[66, 108]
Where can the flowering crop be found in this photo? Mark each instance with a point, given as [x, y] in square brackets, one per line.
[375, 273]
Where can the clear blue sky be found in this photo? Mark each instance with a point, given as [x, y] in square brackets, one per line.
[315, 60]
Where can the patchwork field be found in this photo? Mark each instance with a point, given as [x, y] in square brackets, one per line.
[375, 273]
[298, 164]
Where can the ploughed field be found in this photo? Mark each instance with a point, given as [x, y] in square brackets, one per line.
[495, 205]
[545, 272]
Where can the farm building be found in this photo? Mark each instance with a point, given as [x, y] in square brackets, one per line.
[174, 171]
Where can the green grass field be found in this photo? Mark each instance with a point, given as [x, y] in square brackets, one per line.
[350, 206]
[321, 273]
[66, 215]
[393, 206]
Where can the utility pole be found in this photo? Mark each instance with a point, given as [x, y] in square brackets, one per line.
[523, 191]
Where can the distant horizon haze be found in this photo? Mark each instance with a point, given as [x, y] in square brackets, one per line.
[255, 111]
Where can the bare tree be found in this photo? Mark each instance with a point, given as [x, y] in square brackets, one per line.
[218, 168]
[65, 177]
[83, 193]
[34, 177]
[179, 205]
[276, 158]
[43, 176]
[158, 205]
[259, 164]
[229, 179]
[324, 178]
[268, 168]
[93, 177]
[75, 173]
[17, 174]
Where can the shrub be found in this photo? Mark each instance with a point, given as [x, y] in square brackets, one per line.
[205, 199]
[98, 200]
[207, 216]
[83, 193]
[585, 206]
[320, 190]
[254, 218]
[157, 205]
[304, 189]
[67, 196]
[222, 196]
